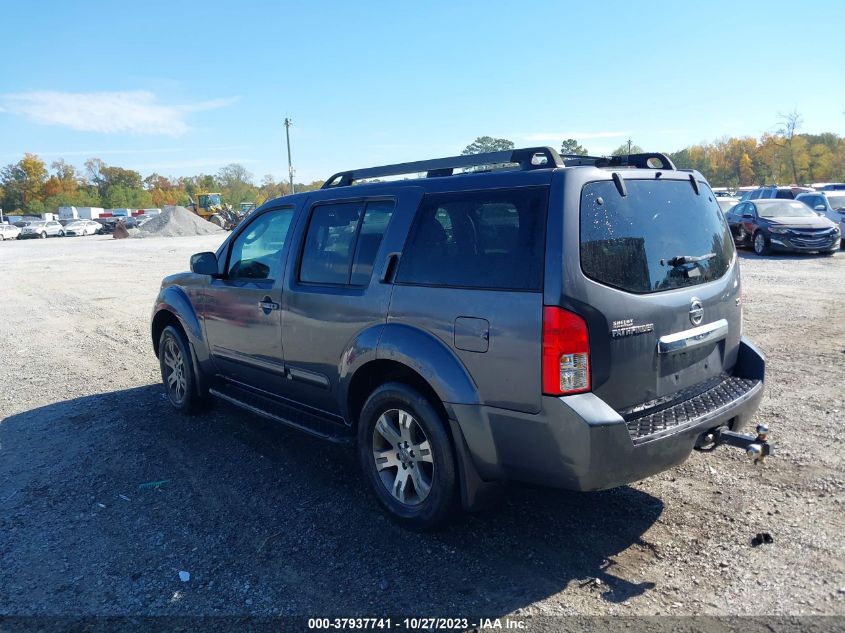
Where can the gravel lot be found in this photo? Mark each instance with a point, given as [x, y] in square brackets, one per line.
[268, 521]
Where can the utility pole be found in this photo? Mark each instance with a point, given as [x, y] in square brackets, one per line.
[290, 164]
[629, 147]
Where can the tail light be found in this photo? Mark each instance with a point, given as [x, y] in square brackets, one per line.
[566, 353]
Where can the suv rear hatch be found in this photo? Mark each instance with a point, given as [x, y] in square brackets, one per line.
[657, 282]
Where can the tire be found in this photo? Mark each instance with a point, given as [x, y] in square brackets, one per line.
[174, 355]
[43, 235]
[741, 236]
[760, 246]
[61, 234]
[401, 431]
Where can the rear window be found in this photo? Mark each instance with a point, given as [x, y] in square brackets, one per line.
[491, 239]
[660, 236]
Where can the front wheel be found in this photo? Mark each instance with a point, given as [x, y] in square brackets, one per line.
[760, 246]
[177, 371]
[43, 235]
[407, 457]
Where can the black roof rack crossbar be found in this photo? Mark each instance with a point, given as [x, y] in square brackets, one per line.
[650, 160]
[525, 158]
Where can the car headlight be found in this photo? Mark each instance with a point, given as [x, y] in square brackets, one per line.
[778, 231]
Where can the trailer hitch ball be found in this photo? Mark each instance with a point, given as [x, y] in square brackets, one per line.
[756, 451]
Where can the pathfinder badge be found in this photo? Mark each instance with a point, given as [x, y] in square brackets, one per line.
[626, 327]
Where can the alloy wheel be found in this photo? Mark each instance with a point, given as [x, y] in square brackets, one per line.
[403, 457]
[175, 379]
[759, 243]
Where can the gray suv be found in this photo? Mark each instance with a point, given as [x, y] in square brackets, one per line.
[573, 322]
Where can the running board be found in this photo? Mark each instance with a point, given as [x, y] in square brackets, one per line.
[289, 415]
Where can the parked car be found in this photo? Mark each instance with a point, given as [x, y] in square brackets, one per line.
[769, 192]
[82, 227]
[569, 322]
[9, 232]
[106, 225]
[782, 225]
[829, 203]
[42, 229]
[726, 202]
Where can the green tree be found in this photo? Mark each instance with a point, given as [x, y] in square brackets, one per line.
[484, 144]
[571, 147]
[623, 150]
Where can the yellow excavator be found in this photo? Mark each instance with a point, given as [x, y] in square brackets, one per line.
[209, 206]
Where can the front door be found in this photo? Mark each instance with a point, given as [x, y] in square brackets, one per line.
[242, 308]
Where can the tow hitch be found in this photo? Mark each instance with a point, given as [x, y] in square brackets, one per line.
[756, 447]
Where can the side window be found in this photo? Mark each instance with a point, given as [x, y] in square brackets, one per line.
[330, 243]
[755, 194]
[342, 242]
[478, 239]
[376, 218]
[257, 252]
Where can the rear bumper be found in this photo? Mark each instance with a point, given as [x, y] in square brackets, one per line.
[581, 443]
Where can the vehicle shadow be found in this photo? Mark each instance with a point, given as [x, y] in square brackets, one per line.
[105, 499]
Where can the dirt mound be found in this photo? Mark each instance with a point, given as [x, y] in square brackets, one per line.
[177, 222]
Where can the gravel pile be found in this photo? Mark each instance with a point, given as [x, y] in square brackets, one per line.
[177, 222]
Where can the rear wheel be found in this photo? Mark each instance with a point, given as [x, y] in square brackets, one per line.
[407, 457]
[177, 371]
[760, 246]
[741, 236]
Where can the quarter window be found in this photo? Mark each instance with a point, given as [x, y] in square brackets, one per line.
[257, 252]
[478, 239]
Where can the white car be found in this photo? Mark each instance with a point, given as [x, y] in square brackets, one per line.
[42, 229]
[82, 227]
[8, 232]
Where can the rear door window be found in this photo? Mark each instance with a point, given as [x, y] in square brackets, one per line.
[478, 239]
[660, 236]
[342, 242]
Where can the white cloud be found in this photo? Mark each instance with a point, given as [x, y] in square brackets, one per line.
[135, 112]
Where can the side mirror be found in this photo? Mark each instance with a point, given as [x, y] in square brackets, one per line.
[820, 207]
[204, 263]
[747, 216]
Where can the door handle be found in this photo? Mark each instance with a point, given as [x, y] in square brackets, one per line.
[267, 304]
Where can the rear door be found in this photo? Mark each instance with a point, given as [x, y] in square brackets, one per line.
[659, 275]
[334, 292]
[471, 274]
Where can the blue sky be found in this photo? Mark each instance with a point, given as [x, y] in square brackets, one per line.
[184, 87]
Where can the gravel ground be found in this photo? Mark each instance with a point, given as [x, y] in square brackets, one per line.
[268, 521]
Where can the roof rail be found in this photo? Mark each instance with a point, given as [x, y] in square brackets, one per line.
[649, 160]
[526, 159]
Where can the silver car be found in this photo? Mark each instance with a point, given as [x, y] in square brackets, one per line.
[8, 232]
[82, 227]
[42, 229]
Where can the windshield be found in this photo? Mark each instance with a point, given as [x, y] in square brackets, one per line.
[784, 209]
[35, 224]
[210, 200]
[660, 236]
[837, 201]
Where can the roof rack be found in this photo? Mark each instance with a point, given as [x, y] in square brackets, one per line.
[527, 158]
[648, 160]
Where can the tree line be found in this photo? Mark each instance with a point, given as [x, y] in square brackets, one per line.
[785, 156]
[29, 186]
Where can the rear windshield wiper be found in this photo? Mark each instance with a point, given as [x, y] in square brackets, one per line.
[680, 260]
